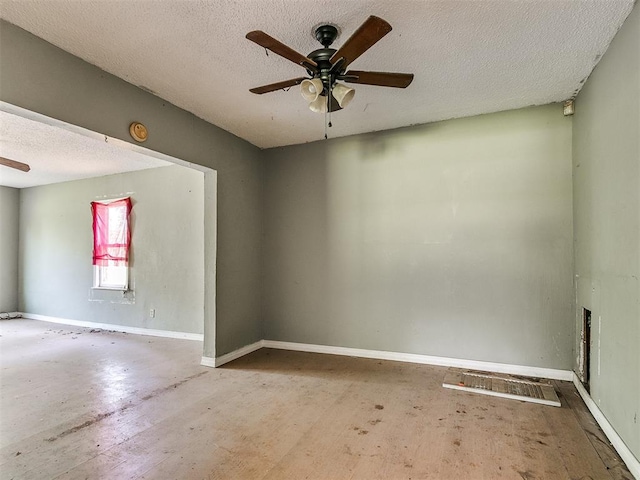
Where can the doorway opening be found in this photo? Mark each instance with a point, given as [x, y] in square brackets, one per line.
[49, 145]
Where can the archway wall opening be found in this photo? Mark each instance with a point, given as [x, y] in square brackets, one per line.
[39, 77]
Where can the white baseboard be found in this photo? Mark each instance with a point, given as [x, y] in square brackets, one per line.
[625, 453]
[425, 360]
[118, 328]
[229, 357]
[627, 456]
[556, 374]
[208, 362]
[10, 315]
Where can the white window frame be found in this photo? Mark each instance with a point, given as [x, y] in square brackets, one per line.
[100, 272]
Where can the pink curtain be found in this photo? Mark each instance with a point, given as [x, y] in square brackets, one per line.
[111, 234]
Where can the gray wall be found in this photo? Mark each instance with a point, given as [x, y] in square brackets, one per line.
[167, 253]
[606, 170]
[37, 76]
[9, 211]
[451, 239]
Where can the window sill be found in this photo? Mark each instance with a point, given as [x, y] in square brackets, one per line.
[114, 289]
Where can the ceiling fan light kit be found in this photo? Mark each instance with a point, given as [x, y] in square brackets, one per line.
[325, 66]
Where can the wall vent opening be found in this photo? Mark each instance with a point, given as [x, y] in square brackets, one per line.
[585, 349]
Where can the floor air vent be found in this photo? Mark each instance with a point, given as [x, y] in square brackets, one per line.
[505, 387]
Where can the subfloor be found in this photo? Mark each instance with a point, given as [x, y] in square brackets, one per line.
[79, 403]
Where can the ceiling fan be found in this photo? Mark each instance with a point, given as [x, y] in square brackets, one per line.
[326, 66]
[14, 164]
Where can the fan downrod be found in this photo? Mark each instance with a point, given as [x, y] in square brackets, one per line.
[326, 35]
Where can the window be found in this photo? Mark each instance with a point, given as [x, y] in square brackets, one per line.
[111, 242]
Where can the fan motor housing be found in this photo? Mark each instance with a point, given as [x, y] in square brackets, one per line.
[322, 57]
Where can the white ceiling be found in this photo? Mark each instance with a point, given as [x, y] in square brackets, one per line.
[469, 57]
[56, 154]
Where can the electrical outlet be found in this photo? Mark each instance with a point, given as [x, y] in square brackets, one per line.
[152, 313]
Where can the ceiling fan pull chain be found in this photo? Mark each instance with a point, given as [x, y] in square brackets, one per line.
[329, 99]
[325, 125]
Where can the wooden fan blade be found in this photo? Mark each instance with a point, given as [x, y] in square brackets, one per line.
[382, 79]
[279, 48]
[372, 30]
[277, 86]
[13, 164]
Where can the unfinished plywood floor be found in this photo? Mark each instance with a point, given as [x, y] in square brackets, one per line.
[80, 404]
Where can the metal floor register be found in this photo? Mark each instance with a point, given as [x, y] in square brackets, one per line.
[488, 384]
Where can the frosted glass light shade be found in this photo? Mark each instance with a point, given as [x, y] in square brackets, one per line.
[311, 89]
[319, 105]
[343, 94]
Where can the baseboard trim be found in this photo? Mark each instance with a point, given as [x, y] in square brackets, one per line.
[231, 356]
[10, 315]
[556, 374]
[425, 360]
[625, 453]
[208, 362]
[118, 328]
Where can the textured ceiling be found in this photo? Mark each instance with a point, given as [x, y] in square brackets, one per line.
[59, 155]
[468, 57]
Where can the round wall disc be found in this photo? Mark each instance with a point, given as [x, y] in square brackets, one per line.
[138, 131]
